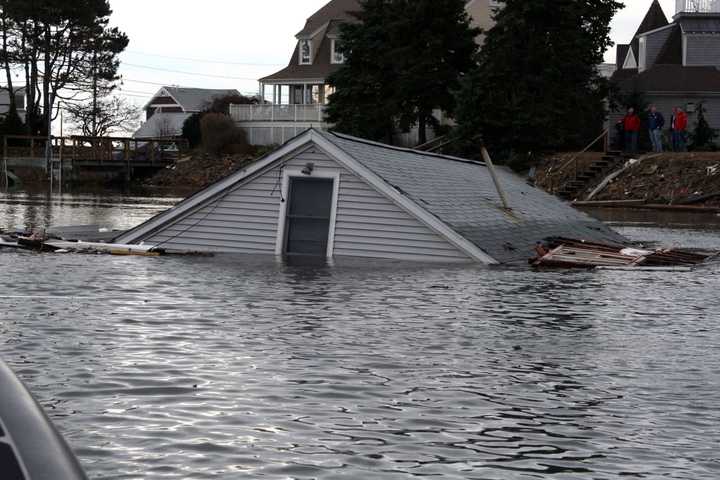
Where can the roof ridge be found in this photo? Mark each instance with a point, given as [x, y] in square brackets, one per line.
[402, 149]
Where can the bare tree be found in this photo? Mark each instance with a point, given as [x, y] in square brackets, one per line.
[104, 117]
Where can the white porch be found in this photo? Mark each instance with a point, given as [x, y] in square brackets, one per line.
[697, 6]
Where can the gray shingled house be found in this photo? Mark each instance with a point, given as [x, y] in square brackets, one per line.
[330, 195]
[675, 64]
[167, 110]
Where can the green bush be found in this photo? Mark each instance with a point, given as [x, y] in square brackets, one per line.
[220, 135]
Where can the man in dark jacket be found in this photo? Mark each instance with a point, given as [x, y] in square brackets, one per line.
[656, 122]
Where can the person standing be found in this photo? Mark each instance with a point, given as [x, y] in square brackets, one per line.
[678, 127]
[656, 122]
[631, 127]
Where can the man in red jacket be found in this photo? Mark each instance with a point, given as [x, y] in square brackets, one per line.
[678, 128]
[631, 127]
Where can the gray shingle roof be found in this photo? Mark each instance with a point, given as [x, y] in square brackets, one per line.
[196, 99]
[462, 195]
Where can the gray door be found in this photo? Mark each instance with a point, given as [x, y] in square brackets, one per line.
[308, 216]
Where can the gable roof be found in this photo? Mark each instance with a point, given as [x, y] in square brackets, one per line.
[655, 18]
[333, 10]
[319, 70]
[194, 100]
[455, 197]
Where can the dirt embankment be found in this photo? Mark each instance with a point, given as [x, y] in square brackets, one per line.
[669, 178]
[199, 170]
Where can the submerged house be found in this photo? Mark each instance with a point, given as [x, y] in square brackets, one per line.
[298, 93]
[167, 110]
[330, 195]
[675, 64]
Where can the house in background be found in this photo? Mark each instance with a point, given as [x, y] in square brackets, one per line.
[299, 92]
[328, 195]
[19, 102]
[168, 109]
[675, 63]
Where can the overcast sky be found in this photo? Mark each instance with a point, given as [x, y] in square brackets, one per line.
[232, 43]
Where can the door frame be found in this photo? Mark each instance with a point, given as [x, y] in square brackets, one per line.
[293, 173]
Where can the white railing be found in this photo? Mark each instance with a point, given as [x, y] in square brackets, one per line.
[277, 113]
[697, 6]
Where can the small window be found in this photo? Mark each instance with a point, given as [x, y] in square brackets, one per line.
[337, 56]
[305, 52]
[642, 60]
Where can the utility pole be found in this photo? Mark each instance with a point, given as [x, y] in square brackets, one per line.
[48, 104]
[94, 93]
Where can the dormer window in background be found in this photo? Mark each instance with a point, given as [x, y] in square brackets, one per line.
[336, 56]
[305, 52]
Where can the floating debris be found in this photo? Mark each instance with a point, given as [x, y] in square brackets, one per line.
[569, 253]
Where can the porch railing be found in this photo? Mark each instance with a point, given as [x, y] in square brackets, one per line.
[277, 113]
[697, 6]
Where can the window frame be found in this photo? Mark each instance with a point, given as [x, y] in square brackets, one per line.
[301, 58]
[334, 53]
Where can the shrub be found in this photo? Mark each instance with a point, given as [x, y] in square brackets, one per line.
[220, 135]
[703, 138]
[191, 130]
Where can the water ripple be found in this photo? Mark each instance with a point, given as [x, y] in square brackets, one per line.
[239, 367]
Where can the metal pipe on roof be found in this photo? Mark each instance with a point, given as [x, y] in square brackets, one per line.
[495, 179]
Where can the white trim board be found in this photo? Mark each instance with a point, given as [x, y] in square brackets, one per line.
[205, 196]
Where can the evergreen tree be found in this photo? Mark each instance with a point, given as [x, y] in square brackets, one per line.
[404, 58]
[703, 137]
[58, 44]
[537, 87]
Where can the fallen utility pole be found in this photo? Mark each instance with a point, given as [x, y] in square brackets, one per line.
[493, 174]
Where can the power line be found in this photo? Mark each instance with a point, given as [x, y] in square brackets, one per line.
[222, 62]
[187, 73]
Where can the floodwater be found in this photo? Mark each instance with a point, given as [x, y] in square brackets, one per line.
[243, 368]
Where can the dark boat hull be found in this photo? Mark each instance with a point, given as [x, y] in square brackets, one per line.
[30, 447]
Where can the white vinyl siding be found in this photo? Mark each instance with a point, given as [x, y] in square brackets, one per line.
[368, 224]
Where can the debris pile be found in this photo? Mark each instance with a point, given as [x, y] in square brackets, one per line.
[569, 253]
[41, 241]
[668, 179]
[199, 170]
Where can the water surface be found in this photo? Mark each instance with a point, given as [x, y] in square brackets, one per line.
[239, 367]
